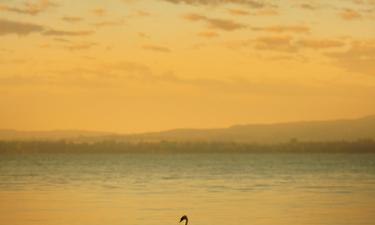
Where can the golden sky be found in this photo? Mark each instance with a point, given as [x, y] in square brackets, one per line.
[147, 65]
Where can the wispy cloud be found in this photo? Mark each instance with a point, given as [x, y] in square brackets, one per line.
[109, 23]
[81, 46]
[23, 28]
[287, 44]
[307, 6]
[322, 43]
[215, 23]
[143, 35]
[72, 19]
[142, 13]
[99, 11]
[30, 8]
[132, 67]
[208, 34]
[349, 14]
[276, 43]
[266, 12]
[19, 28]
[47, 80]
[238, 12]
[62, 40]
[249, 3]
[284, 29]
[156, 48]
[360, 57]
[142, 73]
[66, 33]
[102, 75]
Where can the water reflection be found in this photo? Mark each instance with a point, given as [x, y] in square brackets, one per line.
[212, 189]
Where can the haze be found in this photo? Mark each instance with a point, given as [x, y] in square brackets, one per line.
[148, 65]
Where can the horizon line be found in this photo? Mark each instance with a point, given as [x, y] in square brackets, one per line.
[187, 128]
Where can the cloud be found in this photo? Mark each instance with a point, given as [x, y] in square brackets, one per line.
[139, 14]
[62, 40]
[284, 29]
[276, 43]
[369, 3]
[131, 67]
[143, 35]
[81, 46]
[259, 12]
[102, 75]
[307, 6]
[156, 48]
[350, 14]
[229, 85]
[249, 3]
[266, 12]
[99, 11]
[238, 12]
[119, 74]
[214, 23]
[321, 43]
[360, 57]
[208, 34]
[53, 32]
[19, 28]
[290, 45]
[115, 74]
[142, 13]
[67, 80]
[22, 28]
[72, 19]
[109, 23]
[29, 8]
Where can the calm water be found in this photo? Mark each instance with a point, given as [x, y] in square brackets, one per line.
[211, 189]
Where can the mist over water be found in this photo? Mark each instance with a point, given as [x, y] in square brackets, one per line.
[227, 189]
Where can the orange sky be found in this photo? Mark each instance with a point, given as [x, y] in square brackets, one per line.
[147, 65]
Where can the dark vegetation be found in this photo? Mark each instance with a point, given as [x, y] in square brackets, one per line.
[293, 146]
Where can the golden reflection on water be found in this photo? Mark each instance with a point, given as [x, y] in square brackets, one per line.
[211, 189]
[84, 206]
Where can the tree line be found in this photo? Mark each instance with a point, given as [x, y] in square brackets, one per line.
[293, 146]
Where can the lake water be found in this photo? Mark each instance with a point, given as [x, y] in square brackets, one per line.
[212, 189]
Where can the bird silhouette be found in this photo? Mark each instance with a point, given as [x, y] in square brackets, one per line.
[184, 218]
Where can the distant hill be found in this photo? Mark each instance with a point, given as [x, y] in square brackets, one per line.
[336, 130]
[49, 135]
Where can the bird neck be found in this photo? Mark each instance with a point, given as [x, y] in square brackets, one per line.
[186, 221]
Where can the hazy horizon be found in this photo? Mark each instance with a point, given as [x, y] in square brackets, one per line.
[193, 128]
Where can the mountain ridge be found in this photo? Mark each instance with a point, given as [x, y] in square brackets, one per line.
[322, 130]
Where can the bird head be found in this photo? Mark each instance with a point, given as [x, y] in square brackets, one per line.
[183, 218]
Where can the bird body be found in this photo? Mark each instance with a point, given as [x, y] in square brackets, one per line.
[184, 218]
